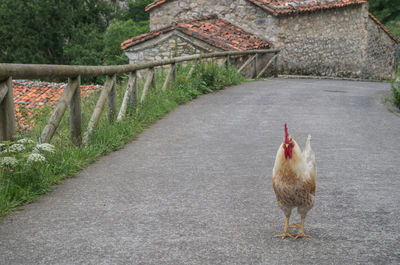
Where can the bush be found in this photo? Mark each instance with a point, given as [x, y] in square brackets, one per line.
[118, 32]
[396, 93]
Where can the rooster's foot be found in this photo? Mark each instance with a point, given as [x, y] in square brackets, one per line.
[285, 235]
[294, 226]
[299, 235]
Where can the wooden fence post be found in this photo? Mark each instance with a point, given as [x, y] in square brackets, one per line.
[133, 97]
[191, 70]
[255, 66]
[246, 63]
[153, 80]
[59, 110]
[227, 62]
[98, 109]
[266, 67]
[276, 64]
[75, 113]
[130, 94]
[173, 72]
[168, 77]
[147, 84]
[112, 101]
[7, 119]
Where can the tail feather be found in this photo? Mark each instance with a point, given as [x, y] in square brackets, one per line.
[309, 157]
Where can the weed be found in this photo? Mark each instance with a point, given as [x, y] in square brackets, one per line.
[396, 93]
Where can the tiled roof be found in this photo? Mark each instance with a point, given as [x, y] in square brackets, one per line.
[280, 7]
[211, 30]
[32, 95]
[384, 28]
[144, 37]
[155, 3]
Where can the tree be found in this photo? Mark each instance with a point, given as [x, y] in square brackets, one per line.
[118, 32]
[136, 10]
[388, 12]
[385, 10]
[53, 31]
[132, 21]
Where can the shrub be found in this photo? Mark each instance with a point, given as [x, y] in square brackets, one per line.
[396, 93]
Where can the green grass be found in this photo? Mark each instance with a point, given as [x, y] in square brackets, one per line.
[396, 90]
[24, 182]
[392, 100]
[396, 93]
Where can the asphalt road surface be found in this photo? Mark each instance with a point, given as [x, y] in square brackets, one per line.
[195, 188]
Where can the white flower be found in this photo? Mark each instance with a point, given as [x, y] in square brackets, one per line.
[46, 147]
[36, 158]
[26, 141]
[16, 148]
[2, 145]
[9, 161]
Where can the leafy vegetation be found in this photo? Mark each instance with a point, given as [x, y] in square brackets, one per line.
[396, 93]
[71, 32]
[388, 12]
[118, 32]
[23, 177]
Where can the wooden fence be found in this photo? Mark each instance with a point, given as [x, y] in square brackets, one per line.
[71, 95]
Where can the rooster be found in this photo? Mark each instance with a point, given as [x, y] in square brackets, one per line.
[293, 179]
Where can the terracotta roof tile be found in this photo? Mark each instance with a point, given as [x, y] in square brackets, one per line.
[155, 3]
[30, 96]
[384, 28]
[211, 30]
[280, 7]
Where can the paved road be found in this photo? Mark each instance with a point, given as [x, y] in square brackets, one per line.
[195, 188]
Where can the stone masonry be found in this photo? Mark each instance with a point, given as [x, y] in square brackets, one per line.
[167, 46]
[344, 42]
[381, 53]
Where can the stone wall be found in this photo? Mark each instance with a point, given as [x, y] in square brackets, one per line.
[333, 42]
[240, 13]
[177, 44]
[167, 46]
[325, 43]
[382, 53]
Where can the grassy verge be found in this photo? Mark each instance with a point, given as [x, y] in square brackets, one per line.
[396, 90]
[392, 100]
[396, 94]
[28, 170]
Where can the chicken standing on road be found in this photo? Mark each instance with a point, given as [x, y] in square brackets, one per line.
[293, 179]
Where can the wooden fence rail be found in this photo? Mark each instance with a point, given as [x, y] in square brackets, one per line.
[71, 94]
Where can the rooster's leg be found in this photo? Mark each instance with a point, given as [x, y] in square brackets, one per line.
[301, 231]
[285, 231]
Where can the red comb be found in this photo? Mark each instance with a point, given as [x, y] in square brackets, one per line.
[286, 134]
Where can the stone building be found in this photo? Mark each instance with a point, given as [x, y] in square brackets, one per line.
[191, 36]
[316, 37]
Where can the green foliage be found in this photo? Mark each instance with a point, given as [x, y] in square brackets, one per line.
[385, 10]
[130, 22]
[23, 182]
[136, 11]
[71, 32]
[22, 164]
[118, 32]
[396, 93]
[388, 12]
[53, 31]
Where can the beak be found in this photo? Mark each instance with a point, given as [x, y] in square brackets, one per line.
[287, 145]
